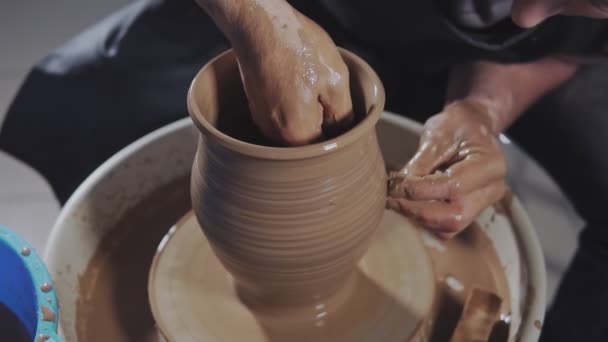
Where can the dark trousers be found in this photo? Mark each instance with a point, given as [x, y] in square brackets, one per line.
[129, 75]
[567, 132]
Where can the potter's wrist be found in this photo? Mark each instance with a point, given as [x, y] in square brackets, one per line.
[489, 112]
[225, 13]
[256, 22]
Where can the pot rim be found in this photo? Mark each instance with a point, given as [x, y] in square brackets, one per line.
[298, 152]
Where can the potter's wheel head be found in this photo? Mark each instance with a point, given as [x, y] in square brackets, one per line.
[139, 194]
[387, 299]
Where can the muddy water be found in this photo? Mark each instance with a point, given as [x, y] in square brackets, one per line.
[113, 302]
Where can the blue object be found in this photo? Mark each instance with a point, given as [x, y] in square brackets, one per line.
[26, 288]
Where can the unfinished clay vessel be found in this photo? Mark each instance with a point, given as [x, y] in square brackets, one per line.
[284, 229]
[295, 244]
[290, 224]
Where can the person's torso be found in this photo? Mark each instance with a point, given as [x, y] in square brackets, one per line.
[451, 31]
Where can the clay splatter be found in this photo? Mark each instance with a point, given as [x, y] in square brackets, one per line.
[47, 314]
[46, 287]
[42, 337]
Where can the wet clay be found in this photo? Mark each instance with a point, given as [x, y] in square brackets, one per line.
[46, 287]
[113, 301]
[504, 206]
[465, 262]
[294, 243]
[290, 224]
[42, 338]
[480, 312]
[384, 299]
[47, 314]
[285, 229]
[398, 292]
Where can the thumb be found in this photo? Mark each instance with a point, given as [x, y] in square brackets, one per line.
[427, 159]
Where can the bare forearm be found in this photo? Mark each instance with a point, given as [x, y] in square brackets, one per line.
[235, 16]
[508, 90]
[225, 13]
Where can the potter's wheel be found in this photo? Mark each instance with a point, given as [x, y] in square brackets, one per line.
[141, 192]
[381, 300]
[390, 298]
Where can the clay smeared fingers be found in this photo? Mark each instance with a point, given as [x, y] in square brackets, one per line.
[449, 218]
[430, 155]
[464, 177]
[437, 215]
[338, 112]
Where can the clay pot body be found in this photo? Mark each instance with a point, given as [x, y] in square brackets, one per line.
[290, 224]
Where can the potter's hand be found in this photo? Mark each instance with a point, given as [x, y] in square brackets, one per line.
[295, 79]
[457, 172]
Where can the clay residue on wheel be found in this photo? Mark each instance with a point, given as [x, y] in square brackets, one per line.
[113, 299]
[504, 206]
[467, 261]
[47, 314]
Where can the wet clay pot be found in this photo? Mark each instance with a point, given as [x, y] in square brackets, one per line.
[289, 224]
[295, 243]
[286, 225]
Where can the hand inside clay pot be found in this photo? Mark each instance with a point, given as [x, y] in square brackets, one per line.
[294, 77]
[297, 89]
[457, 172]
